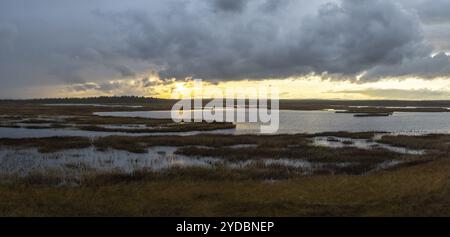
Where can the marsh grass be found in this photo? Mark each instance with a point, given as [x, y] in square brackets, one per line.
[169, 127]
[273, 147]
[19, 108]
[109, 120]
[94, 123]
[439, 142]
[355, 135]
[417, 187]
[209, 140]
[308, 153]
[348, 142]
[47, 145]
[420, 190]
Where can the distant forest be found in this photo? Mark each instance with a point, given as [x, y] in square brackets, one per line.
[90, 100]
[309, 102]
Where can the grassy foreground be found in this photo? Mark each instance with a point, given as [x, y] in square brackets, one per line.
[421, 190]
[415, 189]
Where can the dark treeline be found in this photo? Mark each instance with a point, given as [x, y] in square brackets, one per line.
[287, 103]
[89, 100]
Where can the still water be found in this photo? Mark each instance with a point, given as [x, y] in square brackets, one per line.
[291, 122]
[78, 162]
[297, 121]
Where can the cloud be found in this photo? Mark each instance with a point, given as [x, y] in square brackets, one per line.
[229, 6]
[345, 39]
[147, 85]
[7, 34]
[399, 93]
[431, 11]
[422, 67]
[124, 71]
[435, 18]
[75, 42]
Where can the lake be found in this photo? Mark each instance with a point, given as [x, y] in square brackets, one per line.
[291, 122]
[298, 121]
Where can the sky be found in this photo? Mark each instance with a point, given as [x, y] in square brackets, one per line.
[322, 49]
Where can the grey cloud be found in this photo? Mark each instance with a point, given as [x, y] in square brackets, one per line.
[147, 82]
[431, 11]
[435, 17]
[107, 87]
[272, 6]
[66, 42]
[344, 38]
[399, 93]
[58, 42]
[438, 35]
[83, 87]
[7, 34]
[142, 86]
[125, 71]
[358, 35]
[423, 67]
[229, 5]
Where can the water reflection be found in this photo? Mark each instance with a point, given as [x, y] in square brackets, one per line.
[291, 122]
[367, 144]
[78, 162]
[297, 121]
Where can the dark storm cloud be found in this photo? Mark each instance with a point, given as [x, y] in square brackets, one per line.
[345, 38]
[229, 5]
[125, 71]
[357, 35]
[431, 11]
[423, 67]
[64, 41]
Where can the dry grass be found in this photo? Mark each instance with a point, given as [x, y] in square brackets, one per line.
[139, 144]
[309, 153]
[94, 123]
[51, 144]
[26, 109]
[353, 135]
[109, 120]
[421, 190]
[164, 128]
[440, 142]
[415, 189]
